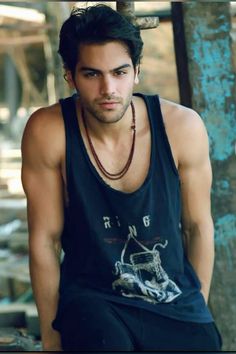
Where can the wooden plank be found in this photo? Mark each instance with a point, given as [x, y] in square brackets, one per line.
[21, 40]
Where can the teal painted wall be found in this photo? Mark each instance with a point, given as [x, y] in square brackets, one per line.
[213, 90]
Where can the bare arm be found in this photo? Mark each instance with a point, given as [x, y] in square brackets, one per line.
[196, 178]
[42, 183]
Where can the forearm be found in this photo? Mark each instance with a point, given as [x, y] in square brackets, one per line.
[200, 251]
[45, 276]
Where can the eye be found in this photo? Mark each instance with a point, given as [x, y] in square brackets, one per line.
[120, 73]
[91, 74]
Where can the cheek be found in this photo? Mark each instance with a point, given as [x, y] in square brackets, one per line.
[126, 84]
[87, 88]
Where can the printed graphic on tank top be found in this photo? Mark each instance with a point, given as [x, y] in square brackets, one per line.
[127, 247]
[142, 275]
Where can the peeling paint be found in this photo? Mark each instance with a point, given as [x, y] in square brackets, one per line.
[222, 188]
[210, 61]
[222, 137]
[225, 231]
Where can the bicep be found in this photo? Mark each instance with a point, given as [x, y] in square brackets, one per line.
[195, 192]
[196, 178]
[42, 183]
[43, 190]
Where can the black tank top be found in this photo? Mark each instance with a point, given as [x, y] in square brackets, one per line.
[127, 247]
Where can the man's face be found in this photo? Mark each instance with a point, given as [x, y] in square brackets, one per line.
[104, 78]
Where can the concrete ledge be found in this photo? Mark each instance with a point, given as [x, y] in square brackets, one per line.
[20, 315]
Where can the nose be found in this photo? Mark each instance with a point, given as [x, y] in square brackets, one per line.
[107, 85]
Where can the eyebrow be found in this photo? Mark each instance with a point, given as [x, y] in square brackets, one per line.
[86, 68]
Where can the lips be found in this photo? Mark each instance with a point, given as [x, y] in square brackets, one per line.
[108, 104]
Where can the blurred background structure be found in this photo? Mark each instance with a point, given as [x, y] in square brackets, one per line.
[189, 58]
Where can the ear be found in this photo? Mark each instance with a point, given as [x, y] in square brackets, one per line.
[136, 73]
[69, 79]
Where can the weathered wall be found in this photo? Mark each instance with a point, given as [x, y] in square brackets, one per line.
[213, 86]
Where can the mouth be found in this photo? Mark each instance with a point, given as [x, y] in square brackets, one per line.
[109, 104]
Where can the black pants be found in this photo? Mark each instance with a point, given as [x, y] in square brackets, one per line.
[93, 324]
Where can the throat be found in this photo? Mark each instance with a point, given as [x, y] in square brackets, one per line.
[105, 172]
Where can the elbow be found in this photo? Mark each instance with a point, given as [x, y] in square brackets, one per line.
[41, 247]
[198, 229]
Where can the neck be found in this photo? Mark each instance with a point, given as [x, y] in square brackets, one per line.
[122, 172]
[109, 133]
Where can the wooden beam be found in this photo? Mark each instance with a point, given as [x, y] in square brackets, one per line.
[22, 40]
[127, 9]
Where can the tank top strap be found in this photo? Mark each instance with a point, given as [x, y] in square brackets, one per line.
[69, 116]
[159, 135]
[154, 110]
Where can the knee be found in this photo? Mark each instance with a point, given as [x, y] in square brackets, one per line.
[93, 328]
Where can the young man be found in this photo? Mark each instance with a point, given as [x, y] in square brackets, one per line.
[121, 182]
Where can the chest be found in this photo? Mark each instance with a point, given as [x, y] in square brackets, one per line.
[114, 162]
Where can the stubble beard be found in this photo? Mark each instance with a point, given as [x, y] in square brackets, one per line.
[108, 117]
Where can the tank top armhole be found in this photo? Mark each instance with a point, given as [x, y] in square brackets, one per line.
[162, 129]
[66, 107]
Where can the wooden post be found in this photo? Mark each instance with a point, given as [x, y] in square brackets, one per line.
[55, 18]
[11, 87]
[126, 8]
[181, 57]
[213, 95]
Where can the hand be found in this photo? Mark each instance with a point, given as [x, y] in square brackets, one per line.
[53, 344]
[53, 348]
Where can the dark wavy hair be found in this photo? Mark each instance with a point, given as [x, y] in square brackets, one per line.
[97, 24]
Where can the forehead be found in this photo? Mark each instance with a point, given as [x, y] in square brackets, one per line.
[104, 55]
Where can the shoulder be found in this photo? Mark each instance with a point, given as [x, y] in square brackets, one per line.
[176, 114]
[185, 129]
[44, 133]
[44, 118]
